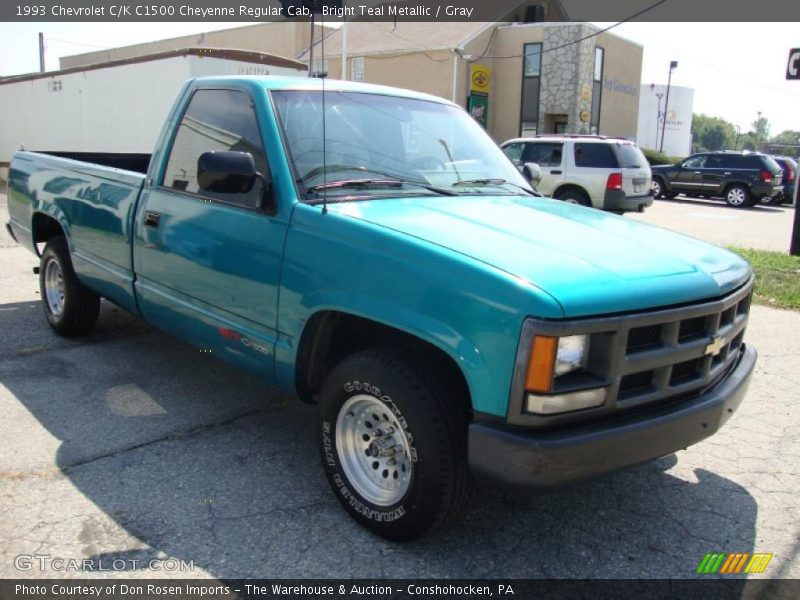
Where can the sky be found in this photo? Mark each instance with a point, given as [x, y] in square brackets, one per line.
[736, 69]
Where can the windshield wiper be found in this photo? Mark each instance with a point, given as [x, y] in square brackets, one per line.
[375, 182]
[495, 181]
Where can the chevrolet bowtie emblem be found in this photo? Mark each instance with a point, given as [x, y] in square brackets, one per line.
[716, 346]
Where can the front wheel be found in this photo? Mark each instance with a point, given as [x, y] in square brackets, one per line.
[393, 439]
[658, 188]
[70, 307]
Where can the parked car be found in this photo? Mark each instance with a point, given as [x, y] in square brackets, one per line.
[448, 321]
[789, 167]
[607, 173]
[741, 178]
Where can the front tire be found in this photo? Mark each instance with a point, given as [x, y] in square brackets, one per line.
[393, 439]
[69, 306]
[658, 187]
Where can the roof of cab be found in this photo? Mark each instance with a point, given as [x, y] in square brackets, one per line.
[283, 82]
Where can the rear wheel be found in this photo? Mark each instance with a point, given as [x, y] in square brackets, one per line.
[574, 196]
[70, 307]
[737, 196]
[394, 443]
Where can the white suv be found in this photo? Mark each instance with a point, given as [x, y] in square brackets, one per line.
[607, 173]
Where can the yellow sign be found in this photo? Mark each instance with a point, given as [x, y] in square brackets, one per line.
[585, 116]
[479, 79]
[586, 92]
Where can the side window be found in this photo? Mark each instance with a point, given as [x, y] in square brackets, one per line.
[544, 154]
[714, 162]
[514, 153]
[753, 162]
[729, 161]
[695, 162]
[215, 120]
[595, 156]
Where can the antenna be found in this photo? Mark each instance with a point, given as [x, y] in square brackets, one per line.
[323, 75]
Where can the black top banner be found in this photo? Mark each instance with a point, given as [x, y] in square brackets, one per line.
[400, 10]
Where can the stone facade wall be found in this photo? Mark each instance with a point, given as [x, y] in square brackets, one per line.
[564, 71]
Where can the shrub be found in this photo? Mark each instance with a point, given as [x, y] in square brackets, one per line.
[657, 158]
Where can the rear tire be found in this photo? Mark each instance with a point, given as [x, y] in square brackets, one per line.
[737, 196]
[393, 439]
[69, 306]
[574, 196]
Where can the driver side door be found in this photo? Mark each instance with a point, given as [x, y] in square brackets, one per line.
[689, 178]
[208, 263]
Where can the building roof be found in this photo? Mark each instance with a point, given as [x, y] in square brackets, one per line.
[381, 37]
[260, 58]
[376, 37]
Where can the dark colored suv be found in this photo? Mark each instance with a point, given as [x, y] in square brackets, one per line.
[740, 178]
[789, 166]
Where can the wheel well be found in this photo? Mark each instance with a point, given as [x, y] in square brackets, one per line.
[44, 227]
[330, 336]
[570, 187]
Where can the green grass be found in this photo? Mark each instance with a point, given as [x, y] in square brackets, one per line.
[777, 277]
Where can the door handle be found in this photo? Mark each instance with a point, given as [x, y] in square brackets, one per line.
[555, 172]
[152, 219]
[698, 172]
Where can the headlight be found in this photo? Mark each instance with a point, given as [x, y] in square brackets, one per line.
[552, 358]
[572, 354]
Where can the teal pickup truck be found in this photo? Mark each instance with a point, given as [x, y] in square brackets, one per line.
[372, 251]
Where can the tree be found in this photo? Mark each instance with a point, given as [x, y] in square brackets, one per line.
[786, 138]
[761, 129]
[712, 133]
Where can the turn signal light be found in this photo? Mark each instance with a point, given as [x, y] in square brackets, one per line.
[541, 364]
[766, 176]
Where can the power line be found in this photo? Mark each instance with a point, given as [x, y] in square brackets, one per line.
[579, 40]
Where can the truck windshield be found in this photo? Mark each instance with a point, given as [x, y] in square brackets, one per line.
[397, 146]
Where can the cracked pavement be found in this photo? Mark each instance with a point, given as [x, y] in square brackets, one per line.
[132, 445]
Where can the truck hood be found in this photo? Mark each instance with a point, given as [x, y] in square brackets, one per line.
[591, 262]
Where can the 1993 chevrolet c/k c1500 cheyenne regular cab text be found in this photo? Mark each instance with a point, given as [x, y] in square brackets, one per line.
[448, 321]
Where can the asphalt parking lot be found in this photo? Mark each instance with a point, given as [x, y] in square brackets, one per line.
[763, 227]
[132, 445]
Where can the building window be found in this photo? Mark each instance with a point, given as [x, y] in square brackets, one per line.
[357, 68]
[531, 71]
[319, 67]
[597, 89]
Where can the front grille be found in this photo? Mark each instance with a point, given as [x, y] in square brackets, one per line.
[694, 348]
[643, 359]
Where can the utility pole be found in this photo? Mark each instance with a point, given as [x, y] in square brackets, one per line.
[659, 95]
[344, 50]
[673, 64]
[793, 72]
[41, 52]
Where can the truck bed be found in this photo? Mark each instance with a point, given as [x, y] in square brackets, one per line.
[95, 205]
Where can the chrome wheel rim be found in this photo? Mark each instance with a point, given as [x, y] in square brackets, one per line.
[736, 196]
[373, 450]
[656, 187]
[54, 287]
[571, 201]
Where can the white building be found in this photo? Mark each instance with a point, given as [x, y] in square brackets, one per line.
[678, 131]
[114, 107]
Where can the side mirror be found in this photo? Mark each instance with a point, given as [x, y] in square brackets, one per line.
[532, 173]
[226, 172]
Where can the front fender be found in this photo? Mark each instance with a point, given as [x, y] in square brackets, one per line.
[470, 310]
